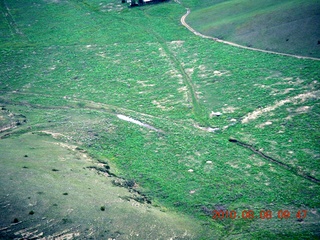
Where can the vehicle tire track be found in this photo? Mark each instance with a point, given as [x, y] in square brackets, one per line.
[183, 22]
[90, 106]
[196, 106]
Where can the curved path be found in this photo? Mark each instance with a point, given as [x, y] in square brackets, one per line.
[183, 21]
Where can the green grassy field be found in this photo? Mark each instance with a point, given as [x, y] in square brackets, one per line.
[282, 26]
[71, 70]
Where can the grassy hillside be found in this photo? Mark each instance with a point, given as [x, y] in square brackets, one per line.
[118, 122]
[283, 26]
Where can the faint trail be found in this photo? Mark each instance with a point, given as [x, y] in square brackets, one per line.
[92, 105]
[183, 22]
[187, 79]
[88, 104]
[196, 106]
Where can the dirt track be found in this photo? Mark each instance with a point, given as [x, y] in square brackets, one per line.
[183, 18]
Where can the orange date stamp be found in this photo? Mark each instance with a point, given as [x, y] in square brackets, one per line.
[263, 214]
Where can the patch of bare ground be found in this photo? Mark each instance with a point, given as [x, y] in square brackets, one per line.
[232, 164]
[137, 122]
[173, 73]
[263, 125]
[208, 75]
[207, 129]
[110, 7]
[162, 52]
[162, 104]
[313, 154]
[53, 134]
[63, 236]
[229, 109]
[274, 91]
[294, 100]
[256, 161]
[300, 110]
[8, 127]
[32, 233]
[66, 145]
[145, 83]
[185, 96]
[189, 71]
[177, 43]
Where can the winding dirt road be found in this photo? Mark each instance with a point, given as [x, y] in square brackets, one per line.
[183, 21]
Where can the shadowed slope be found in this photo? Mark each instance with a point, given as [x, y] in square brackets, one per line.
[283, 26]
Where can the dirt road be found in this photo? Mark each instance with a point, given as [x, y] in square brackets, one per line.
[183, 21]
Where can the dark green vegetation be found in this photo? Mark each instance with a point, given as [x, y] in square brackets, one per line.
[135, 3]
[70, 68]
[288, 26]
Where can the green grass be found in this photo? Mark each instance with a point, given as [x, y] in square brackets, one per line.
[80, 64]
[282, 26]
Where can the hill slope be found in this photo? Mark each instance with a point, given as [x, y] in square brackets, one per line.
[283, 26]
[115, 123]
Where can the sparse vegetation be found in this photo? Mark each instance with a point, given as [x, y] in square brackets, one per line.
[71, 68]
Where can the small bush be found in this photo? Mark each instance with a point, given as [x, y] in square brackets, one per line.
[81, 104]
[130, 183]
